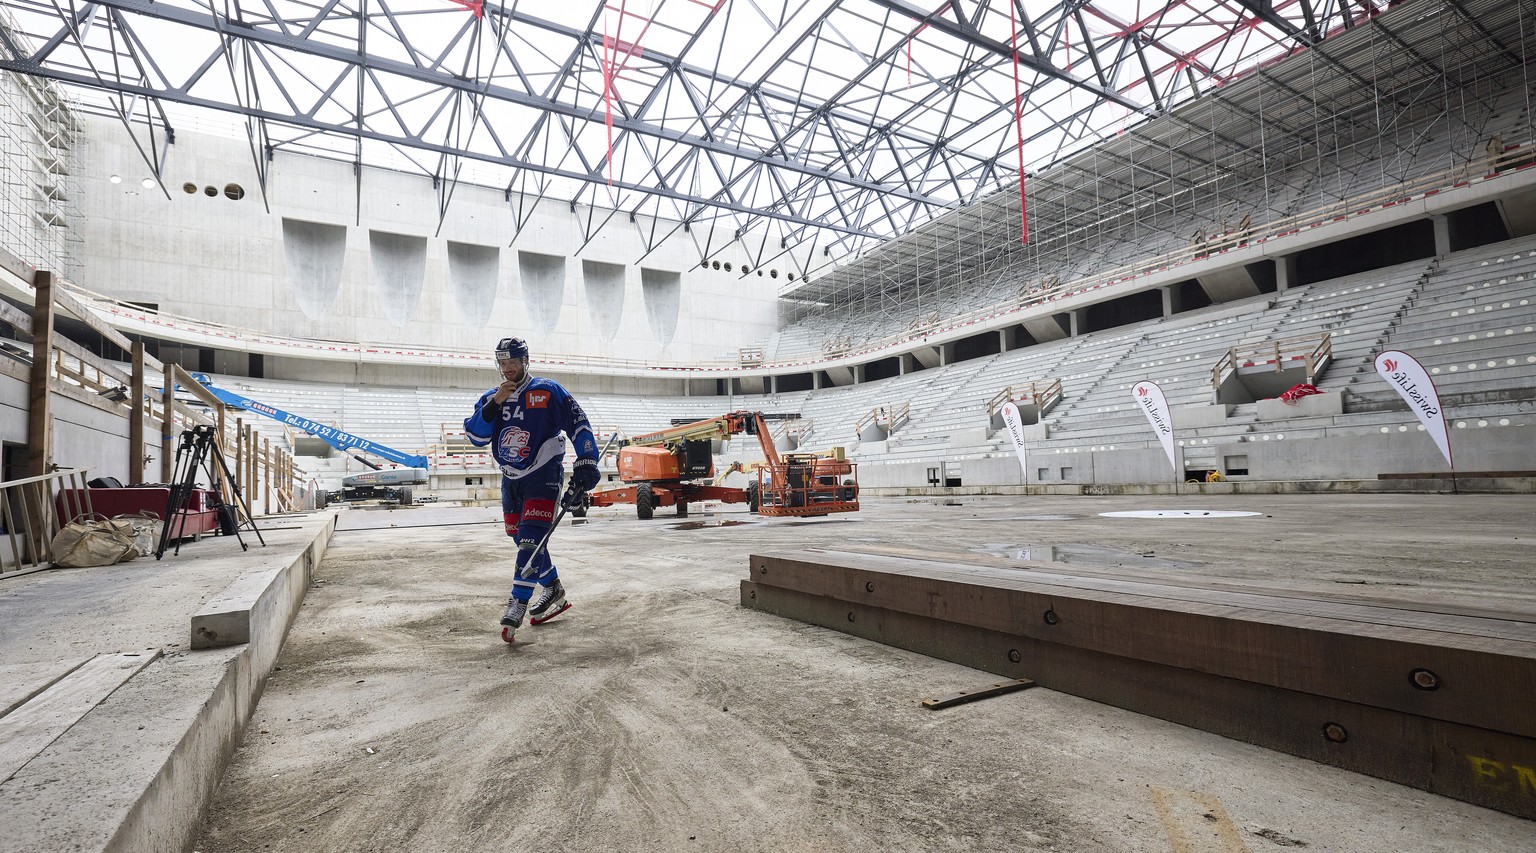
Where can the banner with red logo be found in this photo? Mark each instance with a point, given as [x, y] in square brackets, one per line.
[1411, 381]
[1015, 424]
[1149, 398]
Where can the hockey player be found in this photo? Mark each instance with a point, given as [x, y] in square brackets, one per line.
[522, 419]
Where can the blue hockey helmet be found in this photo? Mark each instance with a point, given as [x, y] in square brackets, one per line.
[510, 348]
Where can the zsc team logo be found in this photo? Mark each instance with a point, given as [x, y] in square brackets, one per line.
[514, 442]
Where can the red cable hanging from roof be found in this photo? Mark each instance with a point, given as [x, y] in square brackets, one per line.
[610, 54]
[1018, 121]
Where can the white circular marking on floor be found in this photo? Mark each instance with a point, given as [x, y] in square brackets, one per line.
[1179, 513]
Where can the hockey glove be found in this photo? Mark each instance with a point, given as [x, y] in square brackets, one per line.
[584, 475]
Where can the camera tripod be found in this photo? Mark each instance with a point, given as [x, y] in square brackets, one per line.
[199, 450]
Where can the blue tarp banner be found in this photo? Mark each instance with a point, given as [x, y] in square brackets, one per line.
[337, 438]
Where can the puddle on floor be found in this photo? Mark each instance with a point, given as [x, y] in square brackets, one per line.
[1081, 555]
[700, 525]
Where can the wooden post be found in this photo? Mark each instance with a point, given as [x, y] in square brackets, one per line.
[251, 458]
[136, 419]
[39, 414]
[168, 425]
[266, 462]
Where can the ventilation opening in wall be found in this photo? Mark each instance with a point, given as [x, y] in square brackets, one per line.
[211, 191]
[189, 188]
[1237, 466]
[234, 192]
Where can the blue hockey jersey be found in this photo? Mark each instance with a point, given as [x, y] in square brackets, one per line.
[526, 435]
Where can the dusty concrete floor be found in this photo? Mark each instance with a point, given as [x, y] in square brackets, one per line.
[657, 714]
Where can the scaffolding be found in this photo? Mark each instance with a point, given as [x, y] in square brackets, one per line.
[1419, 98]
[39, 193]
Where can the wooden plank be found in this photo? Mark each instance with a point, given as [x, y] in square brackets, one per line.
[1427, 601]
[19, 682]
[78, 308]
[1489, 768]
[29, 729]
[964, 696]
[1476, 681]
[15, 316]
[806, 567]
[94, 361]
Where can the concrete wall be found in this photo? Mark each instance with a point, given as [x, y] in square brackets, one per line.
[318, 266]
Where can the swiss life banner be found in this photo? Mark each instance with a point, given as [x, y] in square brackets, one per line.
[1149, 398]
[1016, 432]
[1411, 381]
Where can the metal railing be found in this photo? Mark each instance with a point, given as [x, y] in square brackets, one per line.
[1042, 394]
[888, 418]
[1313, 351]
[30, 515]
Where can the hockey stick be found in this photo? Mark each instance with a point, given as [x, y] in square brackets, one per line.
[527, 571]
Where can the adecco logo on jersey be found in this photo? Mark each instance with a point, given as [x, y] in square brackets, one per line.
[538, 399]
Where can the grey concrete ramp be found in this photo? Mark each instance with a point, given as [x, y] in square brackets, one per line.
[113, 731]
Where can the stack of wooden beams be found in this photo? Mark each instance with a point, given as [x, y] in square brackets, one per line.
[1436, 696]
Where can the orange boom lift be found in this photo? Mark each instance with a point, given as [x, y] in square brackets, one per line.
[672, 467]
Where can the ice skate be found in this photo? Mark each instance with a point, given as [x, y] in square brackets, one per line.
[551, 604]
[512, 619]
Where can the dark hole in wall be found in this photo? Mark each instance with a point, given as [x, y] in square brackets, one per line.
[1476, 226]
[1410, 241]
[1134, 308]
[976, 346]
[885, 368]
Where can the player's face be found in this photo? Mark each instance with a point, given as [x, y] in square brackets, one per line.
[512, 369]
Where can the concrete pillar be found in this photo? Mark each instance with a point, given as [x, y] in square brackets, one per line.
[1075, 317]
[1002, 340]
[773, 384]
[1285, 272]
[1170, 301]
[816, 380]
[858, 374]
[1442, 225]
